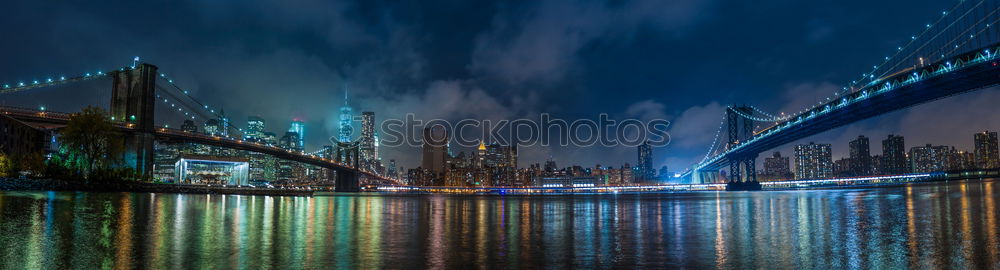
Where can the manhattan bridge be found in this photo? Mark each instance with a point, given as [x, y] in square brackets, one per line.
[954, 54]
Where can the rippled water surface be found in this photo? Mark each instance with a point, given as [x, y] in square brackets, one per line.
[947, 225]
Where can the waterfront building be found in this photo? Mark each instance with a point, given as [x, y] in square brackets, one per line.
[813, 161]
[861, 159]
[645, 163]
[776, 167]
[929, 158]
[894, 159]
[986, 150]
[435, 149]
[961, 160]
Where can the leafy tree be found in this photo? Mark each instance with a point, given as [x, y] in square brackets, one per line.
[92, 138]
[6, 166]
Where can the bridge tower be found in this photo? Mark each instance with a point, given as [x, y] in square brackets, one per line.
[742, 168]
[347, 180]
[132, 103]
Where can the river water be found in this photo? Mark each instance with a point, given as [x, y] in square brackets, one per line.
[939, 225]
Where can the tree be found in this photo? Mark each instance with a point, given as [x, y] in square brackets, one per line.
[92, 137]
[6, 166]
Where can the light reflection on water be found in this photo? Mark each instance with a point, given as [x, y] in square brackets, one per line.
[944, 225]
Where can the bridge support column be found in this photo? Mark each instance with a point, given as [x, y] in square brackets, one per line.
[132, 103]
[347, 181]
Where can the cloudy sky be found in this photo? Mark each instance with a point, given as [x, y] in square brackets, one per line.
[681, 60]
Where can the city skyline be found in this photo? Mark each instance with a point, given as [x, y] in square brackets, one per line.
[312, 77]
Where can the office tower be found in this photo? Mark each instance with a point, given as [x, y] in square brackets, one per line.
[929, 158]
[435, 149]
[223, 124]
[290, 141]
[255, 129]
[299, 128]
[894, 160]
[346, 121]
[813, 161]
[367, 140]
[189, 126]
[776, 167]
[645, 162]
[391, 171]
[213, 127]
[986, 150]
[861, 159]
[269, 138]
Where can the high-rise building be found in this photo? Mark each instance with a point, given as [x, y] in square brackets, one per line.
[861, 158]
[223, 124]
[299, 128]
[213, 127]
[435, 149]
[986, 150]
[842, 167]
[255, 130]
[189, 126]
[894, 160]
[929, 158]
[346, 121]
[290, 141]
[391, 171]
[646, 171]
[813, 161]
[961, 160]
[368, 140]
[776, 167]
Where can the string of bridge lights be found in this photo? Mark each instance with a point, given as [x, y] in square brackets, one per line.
[913, 38]
[980, 57]
[22, 85]
[888, 59]
[716, 139]
[187, 94]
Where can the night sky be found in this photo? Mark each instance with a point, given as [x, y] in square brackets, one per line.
[680, 60]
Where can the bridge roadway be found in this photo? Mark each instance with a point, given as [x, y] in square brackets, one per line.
[59, 119]
[967, 72]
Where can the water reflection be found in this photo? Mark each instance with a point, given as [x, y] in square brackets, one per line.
[949, 225]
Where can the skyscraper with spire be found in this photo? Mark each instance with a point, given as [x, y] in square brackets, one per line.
[346, 117]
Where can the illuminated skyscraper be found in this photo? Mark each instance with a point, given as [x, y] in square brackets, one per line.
[986, 150]
[346, 119]
[255, 129]
[300, 130]
[213, 127]
[368, 140]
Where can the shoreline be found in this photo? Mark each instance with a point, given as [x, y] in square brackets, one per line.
[13, 184]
